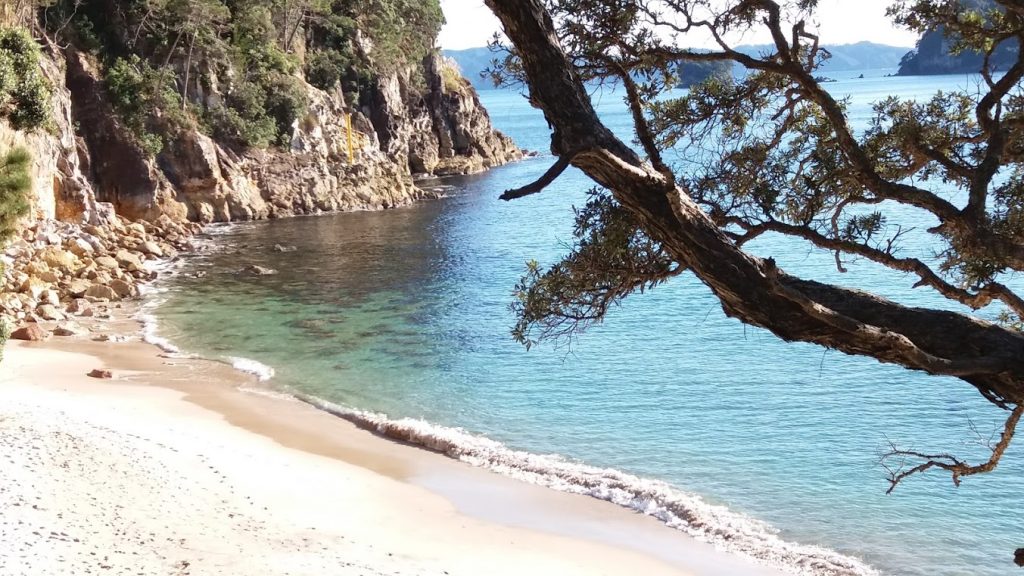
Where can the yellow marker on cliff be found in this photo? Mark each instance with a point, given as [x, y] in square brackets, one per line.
[348, 130]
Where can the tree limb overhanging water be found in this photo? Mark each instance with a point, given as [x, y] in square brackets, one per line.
[780, 156]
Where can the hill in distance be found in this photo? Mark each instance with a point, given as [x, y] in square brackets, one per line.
[845, 58]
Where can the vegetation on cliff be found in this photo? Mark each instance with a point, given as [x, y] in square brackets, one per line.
[24, 93]
[234, 69]
[24, 102]
[15, 184]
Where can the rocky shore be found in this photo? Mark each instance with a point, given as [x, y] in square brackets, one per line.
[62, 278]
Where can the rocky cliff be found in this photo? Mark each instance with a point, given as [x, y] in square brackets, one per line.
[340, 152]
[106, 202]
[401, 134]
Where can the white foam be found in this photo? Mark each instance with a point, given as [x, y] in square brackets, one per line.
[150, 335]
[261, 371]
[726, 529]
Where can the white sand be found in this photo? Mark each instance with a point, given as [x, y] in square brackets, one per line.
[119, 478]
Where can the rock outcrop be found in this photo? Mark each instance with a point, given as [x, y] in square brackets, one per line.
[104, 209]
[61, 185]
[440, 130]
[327, 167]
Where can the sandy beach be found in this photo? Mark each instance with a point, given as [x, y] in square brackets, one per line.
[169, 469]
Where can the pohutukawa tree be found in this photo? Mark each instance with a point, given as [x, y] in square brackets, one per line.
[775, 153]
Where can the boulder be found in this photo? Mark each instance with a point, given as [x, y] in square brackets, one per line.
[33, 287]
[101, 292]
[106, 262]
[80, 248]
[69, 329]
[36, 267]
[78, 287]
[50, 296]
[78, 305]
[49, 276]
[31, 333]
[58, 259]
[122, 288]
[49, 312]
[129, 261]
[152, 248]
[10, 302]
[101, 374]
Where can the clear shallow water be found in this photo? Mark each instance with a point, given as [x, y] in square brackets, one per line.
[405, 313]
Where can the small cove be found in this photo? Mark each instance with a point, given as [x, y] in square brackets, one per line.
[404, 313]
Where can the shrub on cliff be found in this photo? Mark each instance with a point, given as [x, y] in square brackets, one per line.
[231, 67]
[451, 76]
[15, 183]
[139, 93]
[24, 92]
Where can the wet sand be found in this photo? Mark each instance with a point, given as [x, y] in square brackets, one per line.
[173, 468]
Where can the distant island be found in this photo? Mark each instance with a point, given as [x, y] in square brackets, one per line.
[932, 56]
[857, 57]
[691, 73]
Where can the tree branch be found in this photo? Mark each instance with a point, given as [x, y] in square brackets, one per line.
[541, 183]
[957, 467]
[988, 356]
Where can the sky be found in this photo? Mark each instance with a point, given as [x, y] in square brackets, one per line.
[470, 23]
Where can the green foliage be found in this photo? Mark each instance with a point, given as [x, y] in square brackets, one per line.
[163, 58]
[400, 32]
[5, 330]
[259, 113]
[613, 258]
[773, 153]
[451, 76]
[140, 93]
[15, 184]
[324, 68]
[24, 92]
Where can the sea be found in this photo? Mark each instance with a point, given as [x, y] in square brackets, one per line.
[766, 449]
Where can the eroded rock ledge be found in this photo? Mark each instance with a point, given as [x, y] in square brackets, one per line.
[403, 133]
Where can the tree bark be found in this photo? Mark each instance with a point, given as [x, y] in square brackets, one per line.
[752, 289]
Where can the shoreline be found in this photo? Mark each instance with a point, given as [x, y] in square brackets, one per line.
[478, 516]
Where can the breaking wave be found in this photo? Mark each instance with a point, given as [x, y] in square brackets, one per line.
[726, 529]
[261, 371]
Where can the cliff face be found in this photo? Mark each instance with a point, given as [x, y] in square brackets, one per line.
[335, 156]
[61, 186]
[400, 134]
[440, 130]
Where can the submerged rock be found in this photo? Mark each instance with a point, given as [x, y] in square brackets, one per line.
[254, 270]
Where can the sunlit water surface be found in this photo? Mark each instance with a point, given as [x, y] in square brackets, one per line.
[405, 312]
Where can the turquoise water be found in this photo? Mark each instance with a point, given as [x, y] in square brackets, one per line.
[405, 313]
